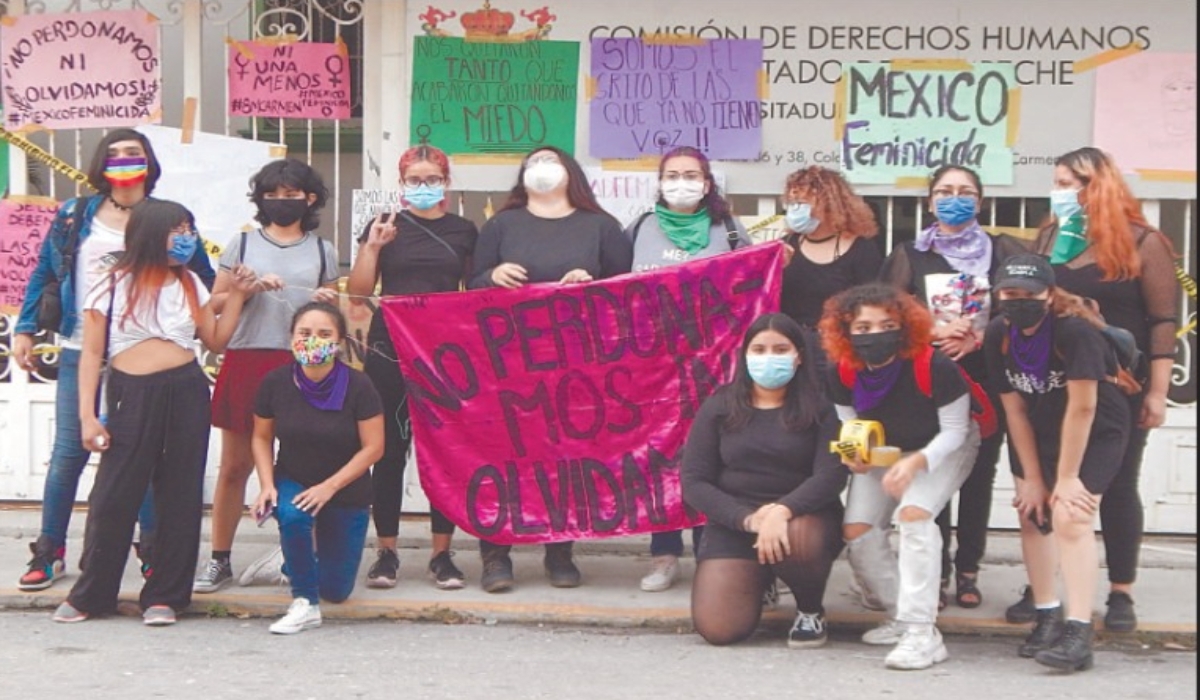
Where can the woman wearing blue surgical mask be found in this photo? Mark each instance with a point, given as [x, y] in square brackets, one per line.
[949, 268]
[420, 250]
[757, 464]
[294, 264]
[831, 229]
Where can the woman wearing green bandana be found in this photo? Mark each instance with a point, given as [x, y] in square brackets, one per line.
[691, 220]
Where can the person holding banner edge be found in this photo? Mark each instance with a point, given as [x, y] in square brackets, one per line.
[85, 238]
[691, 220]
[420, 250]
[757, 464]
[551, 229]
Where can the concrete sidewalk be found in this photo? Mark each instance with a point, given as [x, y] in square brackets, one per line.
[1165, 594]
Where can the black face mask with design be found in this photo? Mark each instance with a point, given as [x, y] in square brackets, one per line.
[284, 212]
[876, 348]
[1023, 313]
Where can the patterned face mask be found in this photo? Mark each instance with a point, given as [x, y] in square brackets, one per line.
[313, 351]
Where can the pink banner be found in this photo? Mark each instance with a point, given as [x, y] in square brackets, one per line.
[23, 222]
[81, 70]
[299, 79]
[559, 412]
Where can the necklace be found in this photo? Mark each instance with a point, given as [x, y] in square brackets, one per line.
[118, 206]
[837, 247]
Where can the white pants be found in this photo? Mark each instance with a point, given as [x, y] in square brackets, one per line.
[909, 584]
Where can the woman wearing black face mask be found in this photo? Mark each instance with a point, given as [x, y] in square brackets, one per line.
[291, 261]
[1068, 423]
[883, 369]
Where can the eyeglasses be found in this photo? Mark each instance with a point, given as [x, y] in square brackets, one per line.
[686, 176]
[431, 181]
[951, 192]
[542, 159]
[184, 230]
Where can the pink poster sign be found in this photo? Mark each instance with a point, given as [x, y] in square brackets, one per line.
[1146, 111]
[81, 70]
[300, 79]
[559, 412]
[23, 223]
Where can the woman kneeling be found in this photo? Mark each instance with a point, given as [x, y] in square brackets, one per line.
[329, 423]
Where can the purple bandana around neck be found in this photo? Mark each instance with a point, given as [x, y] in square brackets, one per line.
[329, 394]
[872, 385]
[969, 250]
[1031, 353]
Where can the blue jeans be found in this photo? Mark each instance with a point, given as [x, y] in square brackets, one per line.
[664, 543]
[329, 572]
[68, 458]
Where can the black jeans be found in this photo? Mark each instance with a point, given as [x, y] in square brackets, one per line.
[159, 426]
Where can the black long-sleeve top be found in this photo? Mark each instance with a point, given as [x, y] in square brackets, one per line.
[729, 475]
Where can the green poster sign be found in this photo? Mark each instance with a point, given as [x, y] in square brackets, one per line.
[903, 122]
[483, 97]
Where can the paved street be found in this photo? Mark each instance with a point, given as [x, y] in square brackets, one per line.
[233, 658]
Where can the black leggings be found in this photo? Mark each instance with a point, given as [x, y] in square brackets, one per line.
[1121, 514]
[974, 511]
[387, 477]
[727, 590]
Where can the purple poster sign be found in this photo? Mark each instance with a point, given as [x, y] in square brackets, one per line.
[650, 98]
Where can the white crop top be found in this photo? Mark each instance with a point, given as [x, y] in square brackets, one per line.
[173, 320]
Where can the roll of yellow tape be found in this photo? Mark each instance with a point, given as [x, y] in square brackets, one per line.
[865, 438]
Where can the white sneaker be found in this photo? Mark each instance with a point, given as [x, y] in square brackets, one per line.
[888, 633]
[664, 572]
[301, 615]
[866, 598]
[920, 647]
[267, 570]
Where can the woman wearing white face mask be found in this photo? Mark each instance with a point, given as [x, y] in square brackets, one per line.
[757, 464]
[421, 250]
[830, 229]
[551, 229]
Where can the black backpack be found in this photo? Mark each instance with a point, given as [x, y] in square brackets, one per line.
[731, 231]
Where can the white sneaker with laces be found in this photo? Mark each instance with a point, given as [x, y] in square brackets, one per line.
[664, 572]
[267, 570]
[886, 634]
[301, 615]
[866, 598]
[920, 647]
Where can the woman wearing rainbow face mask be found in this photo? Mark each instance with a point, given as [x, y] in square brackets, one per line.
[420, 250]
[123, 172]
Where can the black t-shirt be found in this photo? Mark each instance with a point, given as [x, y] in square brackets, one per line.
[427, 255]
[1079, 352]
[550, 248]
[807, 284]
[315, 444]
[727, 475]
[910, 418]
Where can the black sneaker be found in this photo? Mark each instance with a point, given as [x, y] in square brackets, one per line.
[497, 570]
[216, 575]
[386, 569]
[1120, 616]
[808, 631]
[560, 569]
[1022, 612]
[46, 566]
[1050, 627]
[444, 573]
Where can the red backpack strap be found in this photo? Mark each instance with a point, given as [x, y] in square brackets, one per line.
[923, 370]
[846, 373]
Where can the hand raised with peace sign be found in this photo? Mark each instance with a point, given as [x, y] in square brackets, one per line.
[383, 230]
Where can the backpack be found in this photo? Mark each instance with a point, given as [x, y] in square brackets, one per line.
[982, 410]
[1132, 368]
[731, 232]
[320, 252]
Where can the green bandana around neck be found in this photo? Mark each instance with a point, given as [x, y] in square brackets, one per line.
[1071, 241]
[689, 232]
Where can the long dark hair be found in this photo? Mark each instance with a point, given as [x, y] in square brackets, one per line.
[145, 259]
[713, 201]
[801, 404]
[334, 313]
[95, 171]
[579, 193]
[298, 175]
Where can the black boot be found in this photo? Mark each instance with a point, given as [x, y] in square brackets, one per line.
[561, 571]
[1073, 651]
[497, 567]
[1049, 629]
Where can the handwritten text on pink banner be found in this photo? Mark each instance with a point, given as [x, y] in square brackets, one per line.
[300, 79]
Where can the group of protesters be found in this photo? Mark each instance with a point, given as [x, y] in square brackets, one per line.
[956, 340]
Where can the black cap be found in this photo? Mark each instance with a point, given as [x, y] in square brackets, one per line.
[1025, 271]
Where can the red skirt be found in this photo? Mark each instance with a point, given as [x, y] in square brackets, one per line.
[241, 373]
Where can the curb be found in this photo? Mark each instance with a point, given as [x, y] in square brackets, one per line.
[1178, 636]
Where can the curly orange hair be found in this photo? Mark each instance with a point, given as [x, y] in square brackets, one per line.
[841, 310]
[1111, 210]
[833, 201]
